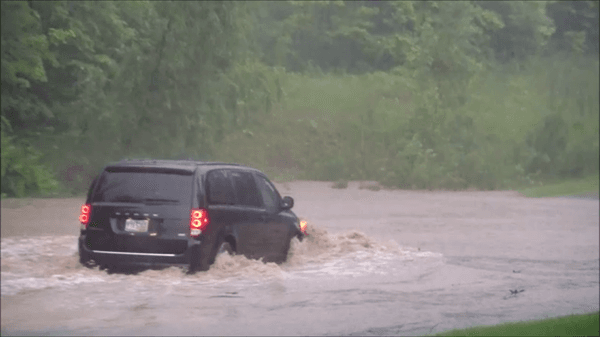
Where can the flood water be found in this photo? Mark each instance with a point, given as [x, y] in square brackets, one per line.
[374, 263]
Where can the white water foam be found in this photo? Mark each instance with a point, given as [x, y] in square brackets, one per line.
[51, 262]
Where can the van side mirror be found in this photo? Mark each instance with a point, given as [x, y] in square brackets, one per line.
[287, 203]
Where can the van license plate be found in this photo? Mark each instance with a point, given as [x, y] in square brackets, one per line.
[137, 226]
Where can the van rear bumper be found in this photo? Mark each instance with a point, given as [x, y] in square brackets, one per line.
[103, 257]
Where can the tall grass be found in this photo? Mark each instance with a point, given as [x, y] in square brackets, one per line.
[511, 128]
[570, 187]
[325, 126]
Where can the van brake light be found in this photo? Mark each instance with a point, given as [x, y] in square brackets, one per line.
[84, 215]
[199, 220]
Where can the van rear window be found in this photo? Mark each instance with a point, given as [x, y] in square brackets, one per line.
[144, 187]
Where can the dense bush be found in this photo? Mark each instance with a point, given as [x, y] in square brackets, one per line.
[434, 94]
[22, 172]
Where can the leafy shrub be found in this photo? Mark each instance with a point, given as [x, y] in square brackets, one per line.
[548, 143]
[397, 129]
[330, 169]
[22, 172]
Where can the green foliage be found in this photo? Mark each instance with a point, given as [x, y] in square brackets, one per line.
[409, 93]
[576, 25]
[253, 88]
[567, 187]
[24, 50]
[394, 129]
[330, 168]
[23, 46]
[526, 30]
[94, 82]
[22, 174]
[547, 143]
[573, 325]
[565, 142]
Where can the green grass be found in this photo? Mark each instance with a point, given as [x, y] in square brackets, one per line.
[564, 188]
[386, 127]
[574, 325]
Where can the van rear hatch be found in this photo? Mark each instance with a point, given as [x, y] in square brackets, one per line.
[142, 210]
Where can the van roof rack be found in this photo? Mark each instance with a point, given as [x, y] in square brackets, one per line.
[176, 161]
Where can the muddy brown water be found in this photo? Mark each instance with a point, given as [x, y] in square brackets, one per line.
[375, 263]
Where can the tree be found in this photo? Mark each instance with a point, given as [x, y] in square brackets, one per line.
[526, 30]
[576, 25]
[24, 50]
[88, 82]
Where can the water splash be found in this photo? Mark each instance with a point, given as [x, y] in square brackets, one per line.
[51, 262]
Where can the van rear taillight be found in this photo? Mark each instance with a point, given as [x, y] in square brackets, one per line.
[84, 215]
[198, 221]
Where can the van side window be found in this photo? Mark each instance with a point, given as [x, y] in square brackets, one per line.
[220, 191]
[269, 194]
[245, 189]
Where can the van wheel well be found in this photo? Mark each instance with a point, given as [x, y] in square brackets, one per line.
[231, 240]
[217, 248]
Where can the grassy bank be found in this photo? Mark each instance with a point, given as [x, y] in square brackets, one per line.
[508, 128]
[568, 187]
[574, 325]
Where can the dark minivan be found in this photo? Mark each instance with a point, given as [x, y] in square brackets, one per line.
[157, 212]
